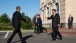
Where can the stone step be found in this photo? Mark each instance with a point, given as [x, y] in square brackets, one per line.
[65, 31]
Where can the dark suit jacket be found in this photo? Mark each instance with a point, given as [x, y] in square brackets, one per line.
[55, 19]
[39, 21]
[16, 19]
[71, 20]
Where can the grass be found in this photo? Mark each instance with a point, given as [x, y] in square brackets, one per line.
[10, 28]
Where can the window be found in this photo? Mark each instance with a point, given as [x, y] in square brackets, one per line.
[58, 8]
[42, 2]
[48, 11]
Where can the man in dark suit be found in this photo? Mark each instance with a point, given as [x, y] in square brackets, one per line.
[36, 23]
[40, 24]
[55, 24]
[16, 24]
[70, 22]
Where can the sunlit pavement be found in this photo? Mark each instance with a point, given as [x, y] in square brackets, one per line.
[31, 37]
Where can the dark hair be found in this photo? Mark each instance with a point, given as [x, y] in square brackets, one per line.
[54, 9]
[38, 14]
[18, 7]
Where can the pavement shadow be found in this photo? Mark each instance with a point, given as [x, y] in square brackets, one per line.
[24, 39]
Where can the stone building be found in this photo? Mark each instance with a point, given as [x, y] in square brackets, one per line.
[63, 7]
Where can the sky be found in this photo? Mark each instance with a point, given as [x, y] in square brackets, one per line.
[29, 7]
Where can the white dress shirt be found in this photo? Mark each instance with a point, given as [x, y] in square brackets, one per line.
[36, 19]
[70, 18]
[54, 15]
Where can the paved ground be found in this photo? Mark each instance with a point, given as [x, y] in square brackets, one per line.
[41, 38]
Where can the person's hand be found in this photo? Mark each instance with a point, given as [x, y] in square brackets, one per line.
[46, 17]
[58, 25]
[26, 20]
[34, 24]
[12, 27]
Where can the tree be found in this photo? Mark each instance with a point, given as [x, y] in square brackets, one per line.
[0, 18]
[33, 20]
[26, 25]
[5, 22]
[4, 18]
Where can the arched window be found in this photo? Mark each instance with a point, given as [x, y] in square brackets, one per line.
[42, 2]
[58, 8]
[48, 11]
[56, 5]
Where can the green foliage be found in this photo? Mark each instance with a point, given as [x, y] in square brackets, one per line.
[28, 24]
[33, 20]
[5, 23]
[5, 26]
[4, 18]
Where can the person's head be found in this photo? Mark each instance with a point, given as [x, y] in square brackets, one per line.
[53, 11]
[70, 15]
[18, 8]
[38, 15]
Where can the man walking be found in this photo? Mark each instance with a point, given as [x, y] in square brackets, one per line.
[55, 24]
[70, 22]
[40, 25]
[36, 25]
[16, 24]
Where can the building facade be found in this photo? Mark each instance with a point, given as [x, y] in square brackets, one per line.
[63, 7]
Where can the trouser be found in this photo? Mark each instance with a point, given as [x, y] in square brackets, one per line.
[70, 25]
[42, 28]
[35, 29]
[55, 32]
[17, 30]
[38, 29]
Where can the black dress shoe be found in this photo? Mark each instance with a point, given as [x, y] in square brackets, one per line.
[61, 38]
[34, 32]
[7, 42]
[46, 31]
[53, 40]
[49, 34]
[38, 33]
[23, 42]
